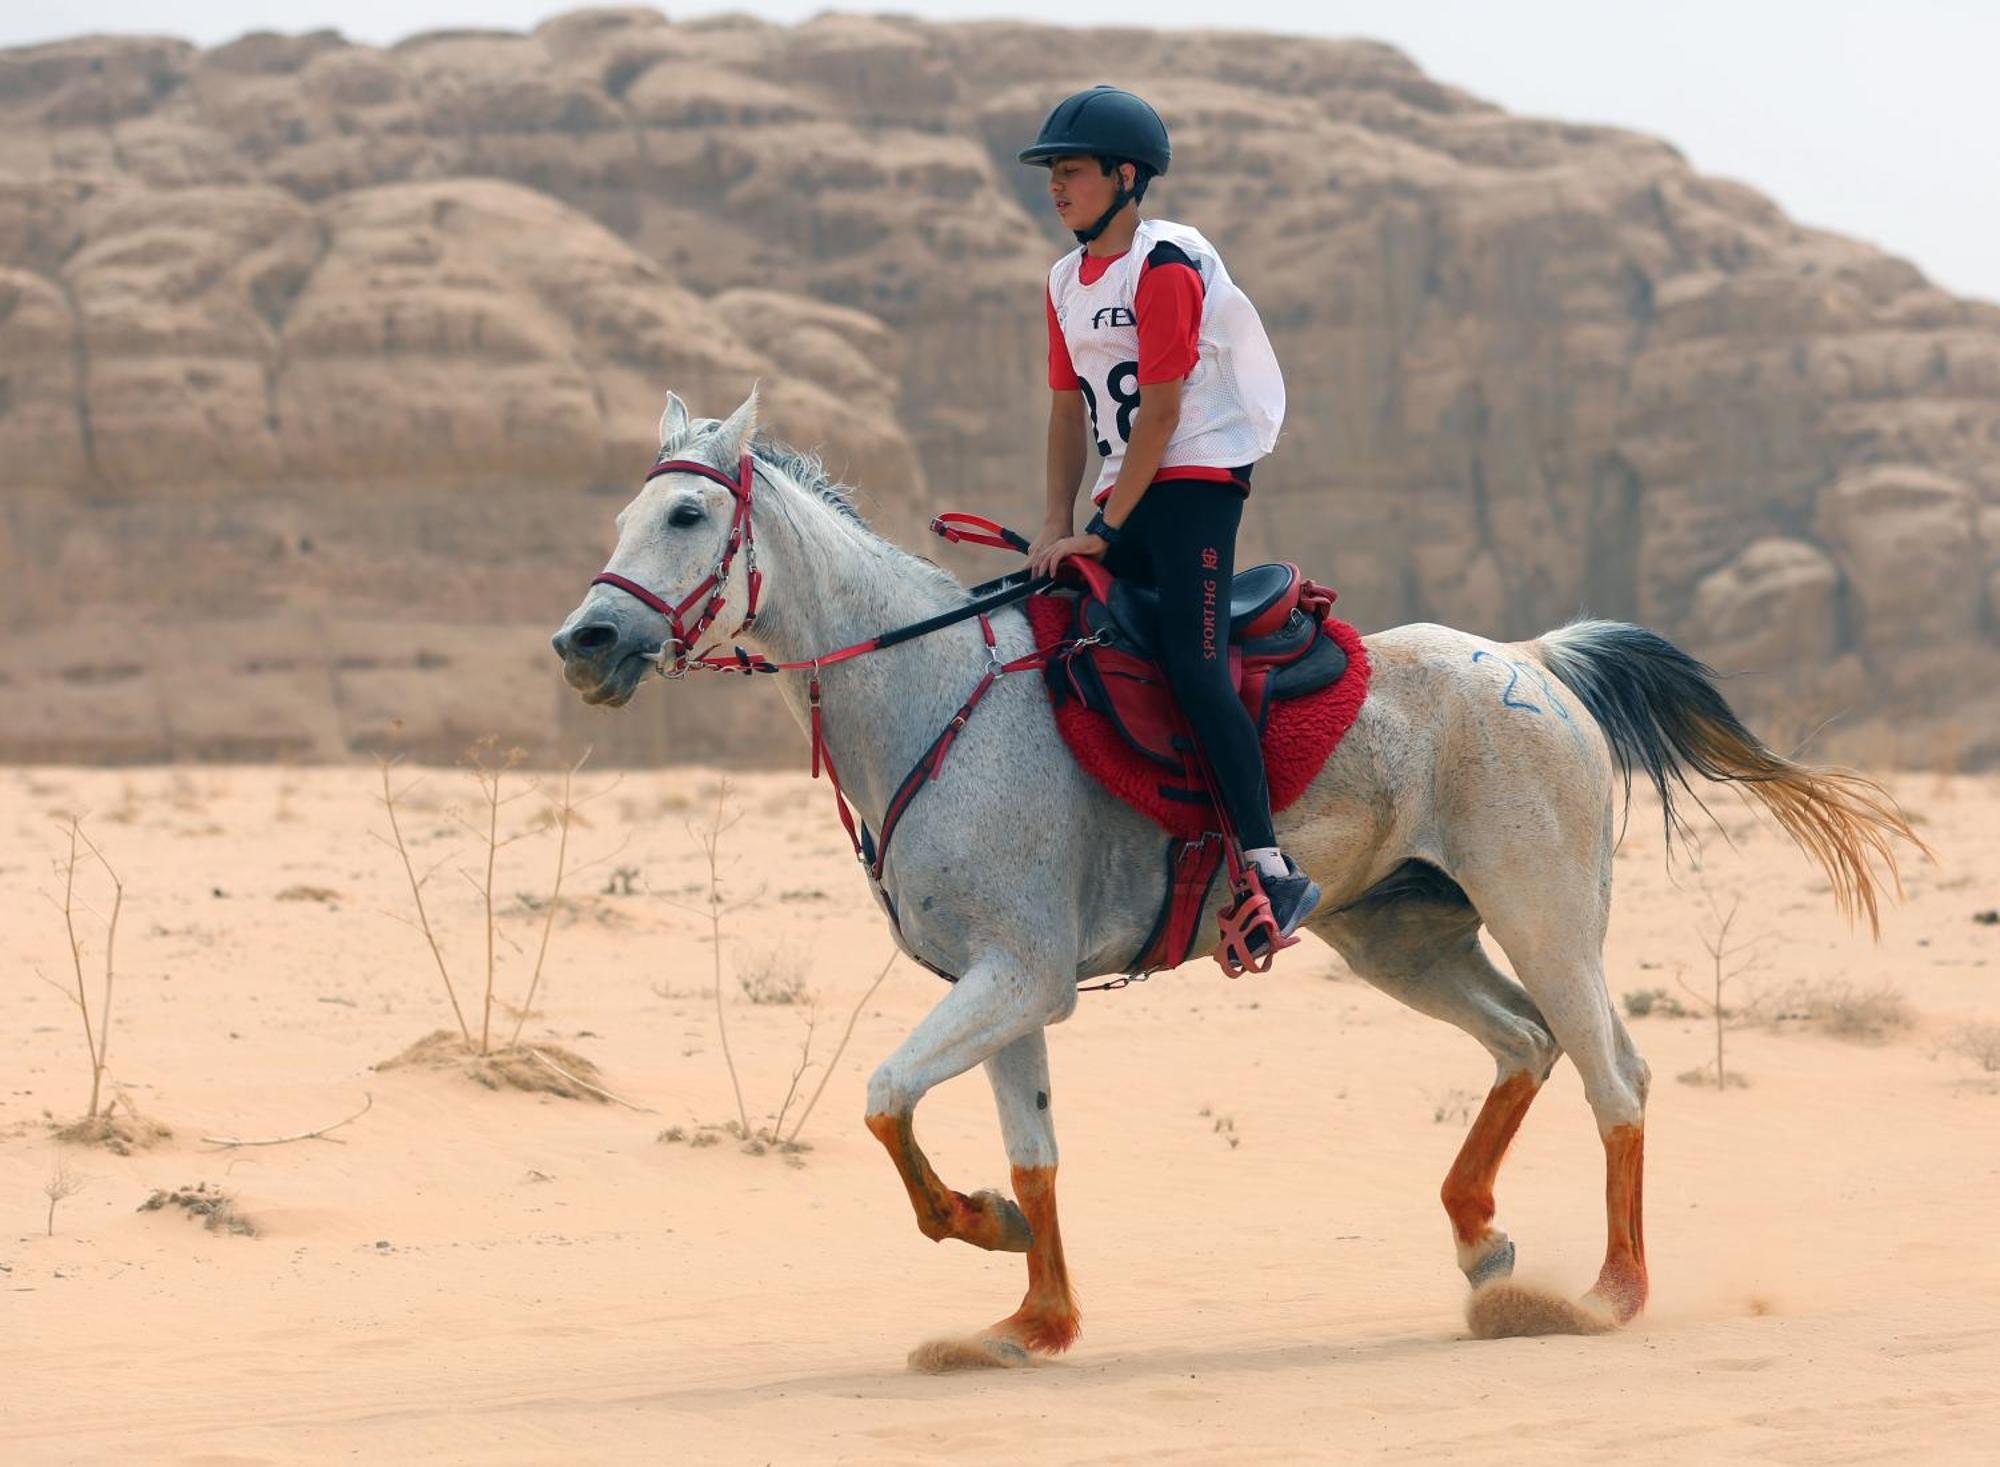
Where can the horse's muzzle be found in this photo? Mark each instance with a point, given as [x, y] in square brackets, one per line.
[602, 660]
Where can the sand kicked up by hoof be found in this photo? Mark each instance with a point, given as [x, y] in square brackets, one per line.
[1505, 1309]
[546, 1069]
[980, 1352]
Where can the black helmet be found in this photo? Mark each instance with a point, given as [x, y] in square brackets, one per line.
[1104, 122]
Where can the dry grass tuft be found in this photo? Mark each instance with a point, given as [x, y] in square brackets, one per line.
[119, 1134]
[513, 1068]
[1645, 1003]
[1840, 1010]
[774, 975]
[215, 1207]
[1705, 1075]
[1978, 1041]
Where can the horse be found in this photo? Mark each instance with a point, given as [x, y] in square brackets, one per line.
[1478, 787]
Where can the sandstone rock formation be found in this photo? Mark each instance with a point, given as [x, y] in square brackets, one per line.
[323, 368]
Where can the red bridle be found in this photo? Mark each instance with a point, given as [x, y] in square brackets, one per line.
[709, 594]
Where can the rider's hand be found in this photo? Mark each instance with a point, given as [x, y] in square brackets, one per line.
[1053, 555]
[1038, 553]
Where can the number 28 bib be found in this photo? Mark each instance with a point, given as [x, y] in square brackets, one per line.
[1233, 402]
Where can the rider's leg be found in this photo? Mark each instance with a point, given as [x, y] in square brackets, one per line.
[1189, 530]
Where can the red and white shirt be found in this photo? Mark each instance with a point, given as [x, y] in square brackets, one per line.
[1165, 310]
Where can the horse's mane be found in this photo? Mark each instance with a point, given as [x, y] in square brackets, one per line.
[808, 472]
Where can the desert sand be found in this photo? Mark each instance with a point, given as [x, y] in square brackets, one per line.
[1249, 1181]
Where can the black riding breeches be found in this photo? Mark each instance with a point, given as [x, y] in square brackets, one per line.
[1181, 540]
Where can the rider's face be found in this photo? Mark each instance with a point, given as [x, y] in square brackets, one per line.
[1081, 190]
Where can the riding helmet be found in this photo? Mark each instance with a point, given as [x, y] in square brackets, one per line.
[1104, 122]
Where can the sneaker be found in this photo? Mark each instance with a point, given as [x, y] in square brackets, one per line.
[1292, 896]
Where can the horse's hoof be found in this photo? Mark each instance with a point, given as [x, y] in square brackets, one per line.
[999, 1225]
[1498, 1264]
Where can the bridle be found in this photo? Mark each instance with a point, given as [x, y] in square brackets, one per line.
[710, 593]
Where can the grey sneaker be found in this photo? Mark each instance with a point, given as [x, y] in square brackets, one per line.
[1292, 896]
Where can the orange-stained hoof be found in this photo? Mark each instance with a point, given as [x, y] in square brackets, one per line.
[1041, 1329]
[1620, 1290]
[985, 1220]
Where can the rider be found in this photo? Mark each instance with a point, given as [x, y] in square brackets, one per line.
[1153, 344]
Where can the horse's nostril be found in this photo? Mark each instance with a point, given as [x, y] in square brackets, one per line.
[592, 639]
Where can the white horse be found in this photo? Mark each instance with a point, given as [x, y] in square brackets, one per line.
[1479, 787]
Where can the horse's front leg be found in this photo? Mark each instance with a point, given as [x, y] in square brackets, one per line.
[1047, 1321]
[993, 1005]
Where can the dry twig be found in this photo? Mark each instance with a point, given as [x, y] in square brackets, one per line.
[841, 1049]
[541, 1058]
[389, 798]
[368, 1102]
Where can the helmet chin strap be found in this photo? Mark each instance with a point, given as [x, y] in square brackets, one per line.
[1119, 200]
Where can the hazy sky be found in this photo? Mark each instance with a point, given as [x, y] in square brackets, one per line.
[1877, 118]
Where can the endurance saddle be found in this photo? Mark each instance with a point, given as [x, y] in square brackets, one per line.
[1278, 649]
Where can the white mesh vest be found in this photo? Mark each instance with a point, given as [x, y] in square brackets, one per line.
[1234, 400]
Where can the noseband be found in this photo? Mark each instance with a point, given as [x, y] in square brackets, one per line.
[709, 594]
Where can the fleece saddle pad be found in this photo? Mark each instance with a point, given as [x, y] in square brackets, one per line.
[1299, 732]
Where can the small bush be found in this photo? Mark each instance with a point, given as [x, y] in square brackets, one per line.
[773, 976]
[1641, 1003]
[1978, 1042]
[215, 1208]
[1842, 1010]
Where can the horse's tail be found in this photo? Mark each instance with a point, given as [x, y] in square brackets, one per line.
[1663, 714]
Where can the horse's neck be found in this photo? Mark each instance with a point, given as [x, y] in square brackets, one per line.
[833, 584]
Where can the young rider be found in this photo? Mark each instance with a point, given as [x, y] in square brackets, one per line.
[1159, 358]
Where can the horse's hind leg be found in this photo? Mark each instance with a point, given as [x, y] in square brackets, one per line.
[1554, 935]
[1047, 1321]
[1425, 952]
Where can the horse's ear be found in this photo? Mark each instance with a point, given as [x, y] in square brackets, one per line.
[673, 422]
[734, 435]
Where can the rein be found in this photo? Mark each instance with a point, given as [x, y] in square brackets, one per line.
[987, 597]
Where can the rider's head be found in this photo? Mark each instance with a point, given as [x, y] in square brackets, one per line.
[1101, 147]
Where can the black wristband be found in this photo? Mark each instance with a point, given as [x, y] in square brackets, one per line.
[1101, 530]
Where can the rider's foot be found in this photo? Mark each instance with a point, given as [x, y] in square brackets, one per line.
[1292, 897]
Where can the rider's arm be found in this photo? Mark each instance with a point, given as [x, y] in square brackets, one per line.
[1068, 452]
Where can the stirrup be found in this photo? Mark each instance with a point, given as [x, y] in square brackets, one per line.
[1238, 921]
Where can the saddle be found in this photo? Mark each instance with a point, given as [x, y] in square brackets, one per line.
[1302, 676]
[1279, 648]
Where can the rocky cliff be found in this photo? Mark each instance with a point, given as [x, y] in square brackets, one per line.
[323, 368]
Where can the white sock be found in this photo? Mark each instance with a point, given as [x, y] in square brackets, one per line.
[1268, 860]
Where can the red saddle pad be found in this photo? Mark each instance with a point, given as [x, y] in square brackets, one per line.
[1300, 734]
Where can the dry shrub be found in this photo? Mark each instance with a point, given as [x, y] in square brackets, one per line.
[215, 1207]
[1644, 1003]
[1978, 1041]
[1704, 1075]
[119, 1134]
[537, 1068]
[1841, 1010]
[774, 975]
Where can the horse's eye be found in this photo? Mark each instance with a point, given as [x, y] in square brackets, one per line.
[685, 515]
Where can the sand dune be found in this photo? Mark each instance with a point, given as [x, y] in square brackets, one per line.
[1249, 1181]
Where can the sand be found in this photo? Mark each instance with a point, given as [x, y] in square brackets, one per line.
[1249, 1188]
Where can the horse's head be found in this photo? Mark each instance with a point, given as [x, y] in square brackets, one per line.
[684, 561]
